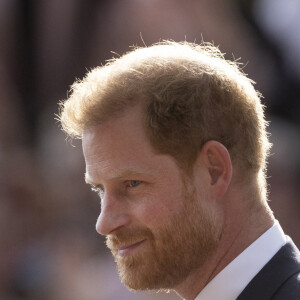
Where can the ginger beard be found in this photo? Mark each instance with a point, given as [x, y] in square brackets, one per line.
[171, 252]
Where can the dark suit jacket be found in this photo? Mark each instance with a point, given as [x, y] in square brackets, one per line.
[279, 279]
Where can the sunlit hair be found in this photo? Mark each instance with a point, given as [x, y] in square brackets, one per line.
[190, 95]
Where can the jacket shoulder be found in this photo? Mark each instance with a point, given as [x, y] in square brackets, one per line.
[290, 289]
[279, 279]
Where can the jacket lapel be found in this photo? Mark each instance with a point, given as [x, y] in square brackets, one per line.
[284, 264]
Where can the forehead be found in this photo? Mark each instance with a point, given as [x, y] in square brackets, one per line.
[120, 146]
[120, 135]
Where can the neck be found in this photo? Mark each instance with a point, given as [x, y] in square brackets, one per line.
[238, 233]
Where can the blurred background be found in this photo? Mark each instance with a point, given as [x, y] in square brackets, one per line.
[49, 248]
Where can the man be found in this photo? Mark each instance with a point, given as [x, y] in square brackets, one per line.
[175, 143]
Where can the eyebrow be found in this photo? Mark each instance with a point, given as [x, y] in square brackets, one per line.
[88, 181]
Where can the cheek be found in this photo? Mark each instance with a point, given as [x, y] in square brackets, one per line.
[158, 206]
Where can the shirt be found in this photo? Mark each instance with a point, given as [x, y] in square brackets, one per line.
[233, 279]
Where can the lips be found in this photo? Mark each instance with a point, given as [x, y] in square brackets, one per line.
[127, 249]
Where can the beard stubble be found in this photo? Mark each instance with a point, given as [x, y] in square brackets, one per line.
[172, 251]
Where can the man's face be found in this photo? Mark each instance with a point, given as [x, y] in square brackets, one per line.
[158, 225]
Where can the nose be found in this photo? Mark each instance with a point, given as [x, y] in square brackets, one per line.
[113, 214]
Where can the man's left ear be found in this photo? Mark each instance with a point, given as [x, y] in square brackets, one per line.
[217, 161]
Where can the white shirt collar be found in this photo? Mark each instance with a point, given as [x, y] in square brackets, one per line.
[233, 279]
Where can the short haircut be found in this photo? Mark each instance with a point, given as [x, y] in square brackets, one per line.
[190, 95]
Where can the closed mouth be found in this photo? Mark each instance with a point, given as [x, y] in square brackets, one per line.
[126, 249]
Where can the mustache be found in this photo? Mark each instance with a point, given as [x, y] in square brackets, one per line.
[128, 236]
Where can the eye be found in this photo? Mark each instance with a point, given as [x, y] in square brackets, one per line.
[134, 183]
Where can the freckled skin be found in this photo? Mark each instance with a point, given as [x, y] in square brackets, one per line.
[174, 231]
[113, 149]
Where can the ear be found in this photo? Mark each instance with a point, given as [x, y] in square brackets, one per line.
[217, 163]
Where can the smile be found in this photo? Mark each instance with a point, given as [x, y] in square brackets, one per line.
[122, 251]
